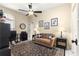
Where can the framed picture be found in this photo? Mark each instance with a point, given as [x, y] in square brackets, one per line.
[41, 23]
[54, 22]
[46, 25]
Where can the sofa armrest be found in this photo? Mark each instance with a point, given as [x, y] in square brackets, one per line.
[53, 41]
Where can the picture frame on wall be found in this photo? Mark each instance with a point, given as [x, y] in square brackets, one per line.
[46, 25]
[41, 23]
[54, 21]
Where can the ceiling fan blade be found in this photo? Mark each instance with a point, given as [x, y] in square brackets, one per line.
[30, 6]
[27, 14]
[35, 15]
[37, 11]
[23, 10]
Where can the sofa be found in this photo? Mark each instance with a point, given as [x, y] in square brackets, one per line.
[45, 39]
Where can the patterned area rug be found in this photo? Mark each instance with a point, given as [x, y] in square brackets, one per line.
[31, 49]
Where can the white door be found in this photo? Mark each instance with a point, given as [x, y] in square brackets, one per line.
[77, 48]
[30, 30]
[75, 30]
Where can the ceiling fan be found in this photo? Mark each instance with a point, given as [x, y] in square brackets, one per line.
[30, 11]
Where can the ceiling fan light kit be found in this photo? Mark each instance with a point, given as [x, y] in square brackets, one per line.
[30, 13]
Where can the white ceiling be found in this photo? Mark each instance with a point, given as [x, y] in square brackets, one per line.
[35, 6]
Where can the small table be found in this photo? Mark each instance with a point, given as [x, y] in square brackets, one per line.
[61, 43]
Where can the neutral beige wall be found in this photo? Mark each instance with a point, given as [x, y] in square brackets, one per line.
[64, 21]
[18, 18]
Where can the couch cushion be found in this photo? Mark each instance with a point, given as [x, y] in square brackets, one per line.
[45, 40]
[38, 36]
[42, 40]
[46, 35]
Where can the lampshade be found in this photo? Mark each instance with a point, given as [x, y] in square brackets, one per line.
[36, 31]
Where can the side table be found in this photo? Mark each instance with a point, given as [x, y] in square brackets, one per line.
[61, 43]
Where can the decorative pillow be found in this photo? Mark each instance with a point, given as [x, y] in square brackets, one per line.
[50, 37]
[38, 36]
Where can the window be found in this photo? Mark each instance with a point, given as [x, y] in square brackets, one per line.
[10, 20]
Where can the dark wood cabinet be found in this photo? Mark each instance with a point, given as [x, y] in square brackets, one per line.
[61, 43]
[4, 35]
[4, 39]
